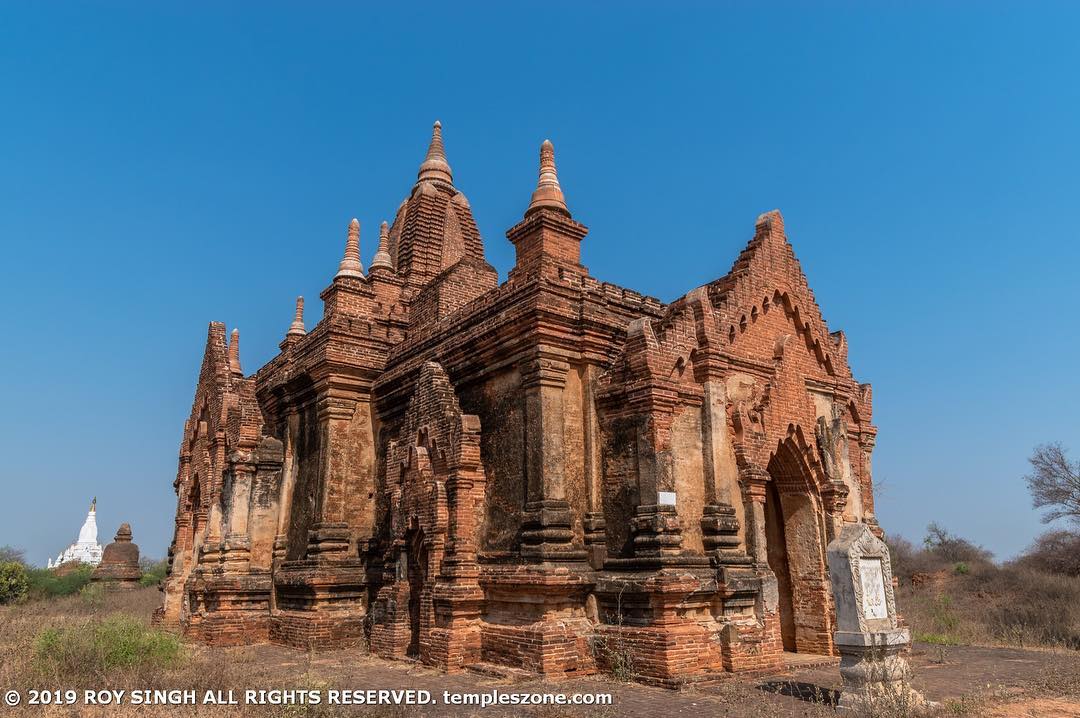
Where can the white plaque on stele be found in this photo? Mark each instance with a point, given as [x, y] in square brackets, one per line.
[873, 589]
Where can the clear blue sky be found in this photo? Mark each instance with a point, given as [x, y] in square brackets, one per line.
[162, 167]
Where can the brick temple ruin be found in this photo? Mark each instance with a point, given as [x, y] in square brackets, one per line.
[554, 473]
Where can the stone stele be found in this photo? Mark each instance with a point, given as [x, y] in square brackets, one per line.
[871, 644]
[119, 567]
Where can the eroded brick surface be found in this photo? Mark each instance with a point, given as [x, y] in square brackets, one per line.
[553, 474]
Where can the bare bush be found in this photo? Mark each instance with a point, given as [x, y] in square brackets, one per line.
[952, 549]
[1054, 552]
[10, 553]
[1054, 483]
[908, 560]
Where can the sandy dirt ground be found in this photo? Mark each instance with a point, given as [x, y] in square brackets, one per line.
[1000, 682]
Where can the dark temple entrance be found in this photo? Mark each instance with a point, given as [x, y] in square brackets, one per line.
[776, 545]
[418, 560]
[795, 549]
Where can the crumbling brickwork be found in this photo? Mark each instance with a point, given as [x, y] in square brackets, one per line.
[553, 473]
[119, 567]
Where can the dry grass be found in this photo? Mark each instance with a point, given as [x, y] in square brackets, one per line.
[22, 627]
[1061, 680]
[103, 641]
[748, 701]
[996, 606]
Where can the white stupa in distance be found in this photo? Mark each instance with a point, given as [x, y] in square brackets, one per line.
[86, 548]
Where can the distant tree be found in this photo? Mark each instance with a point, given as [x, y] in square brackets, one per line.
[953, 549]
[1054, 483]
[10, 553]
[153, 571]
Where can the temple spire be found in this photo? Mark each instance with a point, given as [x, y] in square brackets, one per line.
[234, 354]
[547, 239]
[381, 260]
[435, 166]
[548, 192]
[350, 265]
[297, 326]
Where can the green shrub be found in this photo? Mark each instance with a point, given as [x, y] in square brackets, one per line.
[153, 572]
[961, 569]
[14, 582]
[93, 594]
[944, 618]
[94, 648]
[46, 584]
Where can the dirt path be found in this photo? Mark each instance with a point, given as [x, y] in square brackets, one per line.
[955, 674]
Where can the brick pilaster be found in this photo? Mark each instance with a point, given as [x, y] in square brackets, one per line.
[329, 536]
[546, 531]
[236, 548]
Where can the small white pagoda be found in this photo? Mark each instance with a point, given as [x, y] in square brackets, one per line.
[86, 549]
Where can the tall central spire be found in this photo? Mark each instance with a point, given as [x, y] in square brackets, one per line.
[435, 166]
[88, 532]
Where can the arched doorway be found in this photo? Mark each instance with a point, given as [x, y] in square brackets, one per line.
[795, 548]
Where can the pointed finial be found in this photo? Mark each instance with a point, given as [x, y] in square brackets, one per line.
[548, 192]
[234, 353]
[435, 166]
[297, 326]
[93, 505]
[350, 265]
[381, 260]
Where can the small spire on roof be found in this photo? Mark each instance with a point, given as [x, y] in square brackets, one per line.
[234, 353]
[435, 166]
[350, 265]
[297, 326]
[548, 192]
[381, 260]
